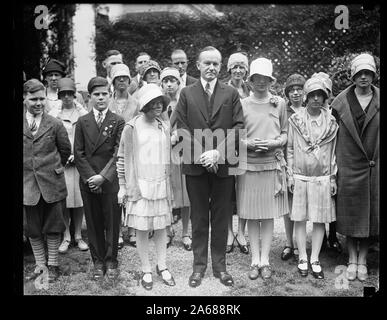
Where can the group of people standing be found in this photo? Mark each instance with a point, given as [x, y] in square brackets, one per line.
[131, 157]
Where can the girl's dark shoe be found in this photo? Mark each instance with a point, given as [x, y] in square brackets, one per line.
[244, 248]
[146, 285]
[317, 274]
[287, 253]
[169, 282]
[303, 271]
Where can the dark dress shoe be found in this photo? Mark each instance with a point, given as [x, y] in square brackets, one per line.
[53, 273]
[169, 282]
[287, 253]
[146, 285]
[224, 277]
[112, 273]
[317, 275]
[195, 279]
[98, 272]
[303, 272]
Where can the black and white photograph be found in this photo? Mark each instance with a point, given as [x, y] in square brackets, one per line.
[200, 150]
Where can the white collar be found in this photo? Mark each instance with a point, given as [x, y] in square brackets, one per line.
[212, 84]
[184, 78]
[96, 112]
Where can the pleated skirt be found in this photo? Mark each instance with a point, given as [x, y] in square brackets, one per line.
[256, 197]
[312, 201]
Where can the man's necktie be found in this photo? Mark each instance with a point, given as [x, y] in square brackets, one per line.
[169, 111]
[99, 119]
[33, 126]
[208, 92]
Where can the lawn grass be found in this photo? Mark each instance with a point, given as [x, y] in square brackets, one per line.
[76, 277]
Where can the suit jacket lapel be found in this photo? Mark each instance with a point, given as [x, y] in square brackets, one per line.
[218, 98]
[372, 110]
[43, 127]
[102, 137]
[200, 96]
[26, 128]
[92, 129]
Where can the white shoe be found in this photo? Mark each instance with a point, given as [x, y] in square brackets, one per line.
[82, 245]
[64, 246]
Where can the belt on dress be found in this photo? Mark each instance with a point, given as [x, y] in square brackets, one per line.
[311, 178]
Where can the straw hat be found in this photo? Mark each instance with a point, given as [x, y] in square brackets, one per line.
[263, 67]
[151, 64]
[325, 79]
[151, 91]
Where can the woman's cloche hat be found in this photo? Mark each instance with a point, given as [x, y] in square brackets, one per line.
[149, 92]
[263, 67]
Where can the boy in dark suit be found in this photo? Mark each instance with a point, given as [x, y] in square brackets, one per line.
[97, 138]
[46, 148]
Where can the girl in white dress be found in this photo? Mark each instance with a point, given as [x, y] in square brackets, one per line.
[144, 175]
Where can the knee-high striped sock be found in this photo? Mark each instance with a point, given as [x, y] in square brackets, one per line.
[53, 242]
[37, 245]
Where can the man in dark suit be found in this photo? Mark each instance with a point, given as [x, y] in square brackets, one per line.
[180, 61]
[97, 137]
[46, 148]
[209, 105]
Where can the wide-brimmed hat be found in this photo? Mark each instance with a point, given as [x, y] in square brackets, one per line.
[119, 70]
[263, 67]
[363, 61]
[66, 84]
[151, 64]
[54, 65]
[294, 80]
[314, 84]
[237, 59]
[325, 79]
[170, 72]
[151, 91]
